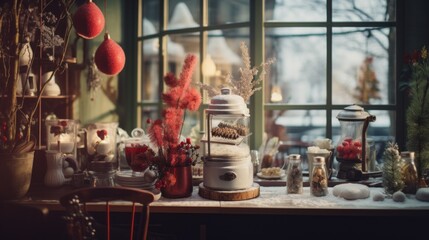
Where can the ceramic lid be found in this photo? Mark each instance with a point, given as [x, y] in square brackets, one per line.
[353, 113]
[227, 103]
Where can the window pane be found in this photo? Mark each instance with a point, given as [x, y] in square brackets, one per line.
[151, 14]
[299, 73]
[363, 66]
[295, 125]
[191, 126]
[181, 15]
[363, 10]
[149, 70]
[227, 11]
[223, 55]
[148, 112]
[178, 46]
[295, 11]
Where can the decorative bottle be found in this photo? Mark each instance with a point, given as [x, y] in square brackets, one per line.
[294, 183]
[319, 178]
[409, 173]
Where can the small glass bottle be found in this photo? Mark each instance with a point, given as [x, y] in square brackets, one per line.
[294, 183]
[254, 156]
[319, 180]
[409, 173]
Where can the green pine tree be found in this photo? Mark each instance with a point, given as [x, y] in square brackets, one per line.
[418, 111]
[392, 174]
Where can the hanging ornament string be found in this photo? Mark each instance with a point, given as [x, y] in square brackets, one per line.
[105, 12]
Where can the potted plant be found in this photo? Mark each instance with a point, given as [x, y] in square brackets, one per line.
[27, 29]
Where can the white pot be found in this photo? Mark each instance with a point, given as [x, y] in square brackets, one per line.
[228, 175]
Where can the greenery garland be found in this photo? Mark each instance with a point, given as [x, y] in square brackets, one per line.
[418, 110]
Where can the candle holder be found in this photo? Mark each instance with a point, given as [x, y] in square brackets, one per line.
[102, 158]
[61, 135]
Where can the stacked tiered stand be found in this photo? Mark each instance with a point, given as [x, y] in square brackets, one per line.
[228, 170]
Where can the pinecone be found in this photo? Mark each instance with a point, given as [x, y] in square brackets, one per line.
[225, 133]
[241, 129]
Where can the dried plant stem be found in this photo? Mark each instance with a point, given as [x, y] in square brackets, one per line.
[58, 66]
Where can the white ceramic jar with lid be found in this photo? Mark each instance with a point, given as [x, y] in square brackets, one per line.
[227, 160]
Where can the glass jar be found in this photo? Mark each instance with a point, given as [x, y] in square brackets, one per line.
[409, 173]
[254, 154]
[103, 179]
[101, 148]
[294, 183]
[61, 136]
[352, 149]
[319, 178]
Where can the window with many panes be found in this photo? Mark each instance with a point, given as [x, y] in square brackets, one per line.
[328, 54]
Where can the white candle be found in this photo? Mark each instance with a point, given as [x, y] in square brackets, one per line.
[103, 147]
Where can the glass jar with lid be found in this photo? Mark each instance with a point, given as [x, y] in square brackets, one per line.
[409, 173]
[227, 159]
[294, 183]
[352, 149]
[319, 178]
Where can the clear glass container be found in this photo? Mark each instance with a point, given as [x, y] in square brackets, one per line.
[228, 127]
[352, 148]
[101, 148]
[103, 179]
[294, 182]
[133, 148]
[409, 173]
[254, 154]
[319, 178]
[61, 136]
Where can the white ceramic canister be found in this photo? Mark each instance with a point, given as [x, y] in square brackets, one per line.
[228, 175]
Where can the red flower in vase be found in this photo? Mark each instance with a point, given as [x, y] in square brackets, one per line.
[165, 133]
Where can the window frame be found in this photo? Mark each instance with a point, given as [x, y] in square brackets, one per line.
[257, 26]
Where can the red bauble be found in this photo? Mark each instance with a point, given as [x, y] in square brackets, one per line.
[88, 20]
[109, 57]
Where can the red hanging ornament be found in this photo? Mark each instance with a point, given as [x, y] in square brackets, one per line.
[109, 57]
[88, 20]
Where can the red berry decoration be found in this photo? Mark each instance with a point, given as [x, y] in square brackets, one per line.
[349, 149]
[109, 57]
[88, 20]
[102, 134]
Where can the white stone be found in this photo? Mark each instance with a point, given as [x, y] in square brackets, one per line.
[423, 194]
[351, 191]
[399, 196]
[378, 197]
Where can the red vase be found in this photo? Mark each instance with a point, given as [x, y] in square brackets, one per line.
[183, 186]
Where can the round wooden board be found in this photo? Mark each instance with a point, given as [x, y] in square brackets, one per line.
[236, 195]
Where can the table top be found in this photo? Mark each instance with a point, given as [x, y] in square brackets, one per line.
[272, 200]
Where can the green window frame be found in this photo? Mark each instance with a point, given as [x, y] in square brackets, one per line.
[131, 114]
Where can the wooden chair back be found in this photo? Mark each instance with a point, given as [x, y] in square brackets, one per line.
[81, 221]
